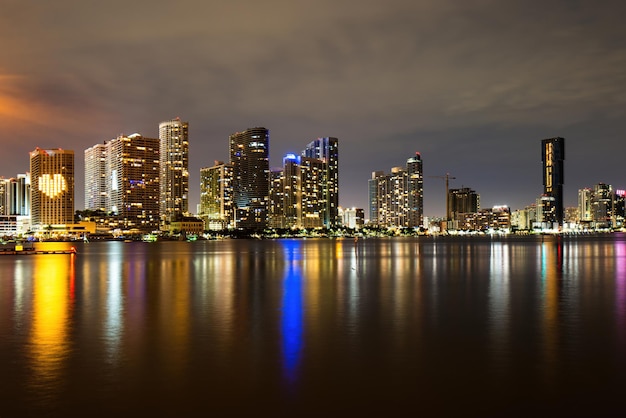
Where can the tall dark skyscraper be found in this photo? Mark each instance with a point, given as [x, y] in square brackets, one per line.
[249, 157]
[462, 201]
[415, 190]
[552, 156]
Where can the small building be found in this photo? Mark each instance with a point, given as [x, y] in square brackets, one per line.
[187, 225]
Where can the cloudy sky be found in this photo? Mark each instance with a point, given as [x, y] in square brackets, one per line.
[472, 85]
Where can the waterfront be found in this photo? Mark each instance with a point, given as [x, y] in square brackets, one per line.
[433, 326]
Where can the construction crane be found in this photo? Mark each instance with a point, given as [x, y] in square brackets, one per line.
[447, 178]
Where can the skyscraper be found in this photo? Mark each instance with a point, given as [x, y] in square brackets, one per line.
[174, 169]
[463, 200]
[552, 156]
[95, 177]
[415, 190]
[303, 192]
[132, 170]
[584, 205]
[396, 199]
[4, 196]
[249, 157]
[327, 150]
[216, 195]
[52, 188]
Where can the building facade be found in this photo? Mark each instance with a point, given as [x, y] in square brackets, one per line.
[327, 150]
[216, 198]
[462, 201]
[415, 190]
[584, 205]
[52, 187]
[132, 168]
[301, 193]
[396, 199]
[552, 157]
[95, 177]
[174, 169]
[249, 157]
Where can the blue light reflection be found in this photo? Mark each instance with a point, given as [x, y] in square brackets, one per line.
[292, 310]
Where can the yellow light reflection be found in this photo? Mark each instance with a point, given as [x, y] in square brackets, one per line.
[49, 346]
[551, 269]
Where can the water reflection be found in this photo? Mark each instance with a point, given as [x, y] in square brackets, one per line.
[620, 291]
[49, 345]
[551, 256]
[114, 323]
[292, 310]
[377, 322]
[499, 303]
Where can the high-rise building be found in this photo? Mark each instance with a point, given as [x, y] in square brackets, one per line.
[19, 195]
[415, 190]
[303, 192]
[552, 156]
[373, 196]
[277, 207]
[216, 195]
[602, 205]
[52, 188]
[463, 200]
[132, 170]
[4, 196]
[174, 169]
[396, 199]
[327, 150]
[249, 157]
[95, 177]
[584, 205]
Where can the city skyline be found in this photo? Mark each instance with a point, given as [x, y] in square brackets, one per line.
[384, 78]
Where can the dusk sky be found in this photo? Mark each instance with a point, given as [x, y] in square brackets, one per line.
[472, 85]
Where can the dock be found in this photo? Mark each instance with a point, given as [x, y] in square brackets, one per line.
[24, 250]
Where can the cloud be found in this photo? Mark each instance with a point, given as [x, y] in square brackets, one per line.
[388, 78]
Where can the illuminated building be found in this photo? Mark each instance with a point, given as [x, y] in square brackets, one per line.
[552, 156]
[462, 201]
[216, 195]
[19, 195]
[174, 169]
[327, 150]
[496, 219]
[396, 199]
[524, 219]
[249, 157]
[602, 206]
[15, 195]
[15, 205]
[303, 194]
[52, 187]
[620, 207]
[584, 205]
[373, 193]
[4, 196]
[277, 199]
[415, 190]
[352, 217]
[132, 171]
[95, 177]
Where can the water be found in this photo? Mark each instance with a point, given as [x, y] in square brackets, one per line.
[393, 327]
